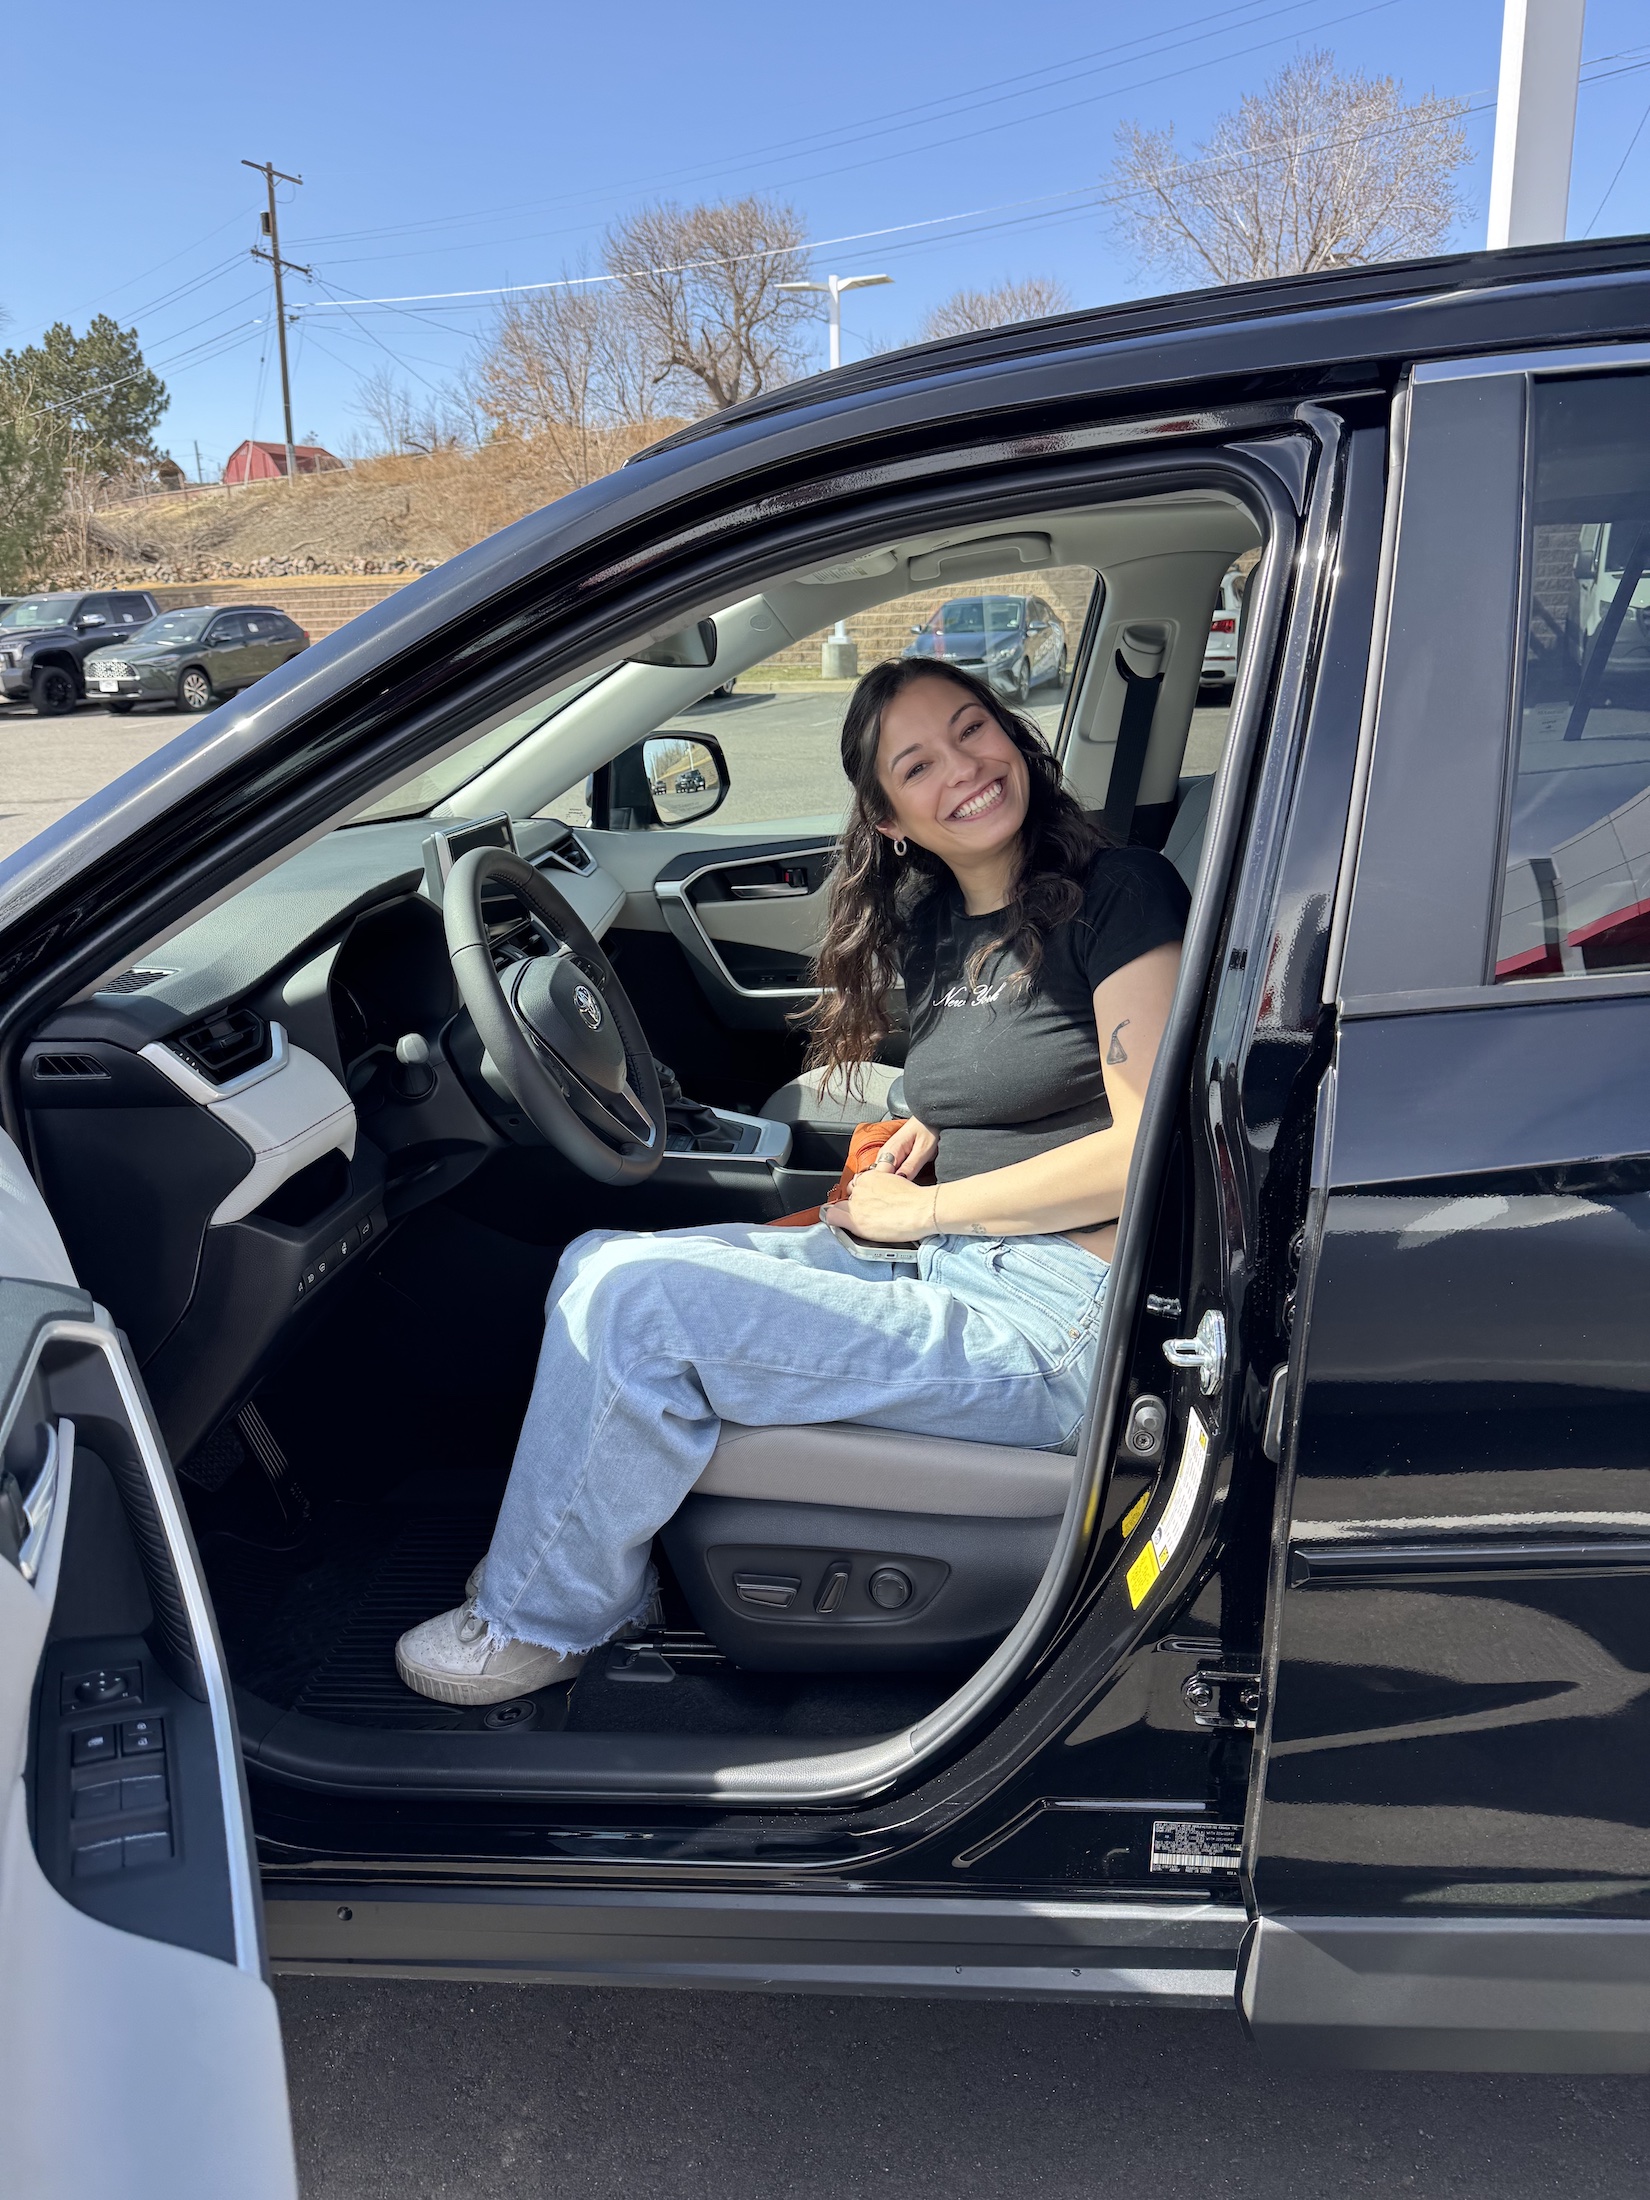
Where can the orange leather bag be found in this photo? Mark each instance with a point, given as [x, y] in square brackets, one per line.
[867, 1142]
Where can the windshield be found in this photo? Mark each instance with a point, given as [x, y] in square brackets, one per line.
[422, 792]
[175, 626]
[39, 611]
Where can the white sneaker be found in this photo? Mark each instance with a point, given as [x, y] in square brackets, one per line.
[456, 1658]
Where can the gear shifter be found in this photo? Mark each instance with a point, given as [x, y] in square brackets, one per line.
[690, 1126]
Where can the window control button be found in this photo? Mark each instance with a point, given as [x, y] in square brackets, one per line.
[93, 1744]
[147, 1848]
[142, 1738]
[100, 1801]
[143, 1791]
[97, 1858]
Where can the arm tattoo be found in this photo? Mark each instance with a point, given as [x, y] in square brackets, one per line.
[1116, 1052]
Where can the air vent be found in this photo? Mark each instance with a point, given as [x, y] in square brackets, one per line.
[567, 854]
[134, 981]
[222, 1047]
[64, 1068]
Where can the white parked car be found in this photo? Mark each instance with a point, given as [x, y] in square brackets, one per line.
[1220, 654]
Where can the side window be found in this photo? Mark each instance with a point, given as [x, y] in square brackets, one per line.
[97, 607]
[780, 724]
[131, 610]
[230, 628]
[1576, 889]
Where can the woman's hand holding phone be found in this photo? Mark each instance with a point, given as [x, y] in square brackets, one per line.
[883, 1206]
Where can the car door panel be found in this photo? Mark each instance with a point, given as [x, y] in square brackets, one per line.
[143, 2042]
[748, 921]
[1457, 1719]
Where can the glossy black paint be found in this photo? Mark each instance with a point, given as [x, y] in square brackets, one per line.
[1463, 1691]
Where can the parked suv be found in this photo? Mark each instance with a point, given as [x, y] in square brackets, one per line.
[45, 641]
[190, 659]
[1309, 1678]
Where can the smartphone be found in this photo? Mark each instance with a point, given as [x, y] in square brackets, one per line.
[902, 1251]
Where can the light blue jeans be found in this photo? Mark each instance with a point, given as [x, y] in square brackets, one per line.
[652, 1341]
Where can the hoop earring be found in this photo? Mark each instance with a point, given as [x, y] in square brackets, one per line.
[900, 848]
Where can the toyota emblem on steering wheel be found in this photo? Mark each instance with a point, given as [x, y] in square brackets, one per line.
[588, 1006]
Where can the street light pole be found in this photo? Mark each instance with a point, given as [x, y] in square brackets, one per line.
[1535, 121]
[271, 228]
[839, 656]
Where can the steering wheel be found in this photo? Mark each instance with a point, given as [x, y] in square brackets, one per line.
[559, 1027]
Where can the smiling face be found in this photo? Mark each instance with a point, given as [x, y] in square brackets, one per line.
[953, 778]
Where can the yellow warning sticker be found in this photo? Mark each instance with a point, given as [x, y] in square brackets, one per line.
[1176, 1516]
[1141, 1575]
[1136, 1513]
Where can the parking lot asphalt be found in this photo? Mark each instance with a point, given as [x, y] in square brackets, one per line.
[449, 2092]
[780, 743]
[48, 765]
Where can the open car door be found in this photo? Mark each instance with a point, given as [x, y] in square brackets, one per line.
[142, 2043]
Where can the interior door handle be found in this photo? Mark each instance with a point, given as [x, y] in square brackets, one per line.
[42, 1497]
[770, 893]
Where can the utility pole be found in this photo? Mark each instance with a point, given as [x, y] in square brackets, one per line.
[271, 229]
[1535, 121]
[839, 657]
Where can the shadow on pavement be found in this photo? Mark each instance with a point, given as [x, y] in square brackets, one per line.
[428, 2091]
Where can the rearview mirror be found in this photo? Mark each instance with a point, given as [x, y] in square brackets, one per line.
[689, 649]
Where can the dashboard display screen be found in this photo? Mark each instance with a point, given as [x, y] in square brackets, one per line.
[442, 850]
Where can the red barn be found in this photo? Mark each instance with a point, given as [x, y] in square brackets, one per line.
[267, 461]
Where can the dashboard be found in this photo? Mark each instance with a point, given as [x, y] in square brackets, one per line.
[223, 1128]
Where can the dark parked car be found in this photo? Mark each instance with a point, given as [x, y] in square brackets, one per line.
[45, 641]
[191, 659]
[1309, 1681]
[1015, 642]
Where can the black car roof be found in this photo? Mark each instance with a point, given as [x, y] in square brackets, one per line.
[1350, 293]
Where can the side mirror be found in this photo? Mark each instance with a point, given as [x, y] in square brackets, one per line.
[668, 779]
[90, 618]
[689, 649]
[919, 630]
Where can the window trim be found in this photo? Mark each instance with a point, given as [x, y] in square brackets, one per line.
[1568, 363]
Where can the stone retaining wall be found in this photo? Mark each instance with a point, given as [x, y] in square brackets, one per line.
[320, 602]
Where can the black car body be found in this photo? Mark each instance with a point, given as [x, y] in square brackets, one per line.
[1316, 1678]
[1015, 642]
[192, 658]
[45, 641]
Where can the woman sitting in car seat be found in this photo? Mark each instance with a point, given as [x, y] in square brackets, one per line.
[957, 1289]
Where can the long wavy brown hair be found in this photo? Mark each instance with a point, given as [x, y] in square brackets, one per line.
[874, 892]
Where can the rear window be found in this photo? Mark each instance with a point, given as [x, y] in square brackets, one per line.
[1576, 886]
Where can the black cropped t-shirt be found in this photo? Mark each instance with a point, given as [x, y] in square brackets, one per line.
[1003, 1069]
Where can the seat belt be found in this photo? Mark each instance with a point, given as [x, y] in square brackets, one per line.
[1134, 738]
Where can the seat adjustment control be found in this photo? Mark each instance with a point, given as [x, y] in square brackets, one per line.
[833, 1587]
[890, 1587]
[775, 1592]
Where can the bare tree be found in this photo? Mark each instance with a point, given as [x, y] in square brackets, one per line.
[1316, 170]
[704, 285]
[573, 366]
[1033, 298]
[402, 422]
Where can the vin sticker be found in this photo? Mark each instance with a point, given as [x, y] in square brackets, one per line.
[1195, 1845]
[1177, 1513]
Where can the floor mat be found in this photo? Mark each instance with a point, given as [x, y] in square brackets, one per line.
[316, 1631]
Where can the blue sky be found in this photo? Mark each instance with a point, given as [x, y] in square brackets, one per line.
[451, 150]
